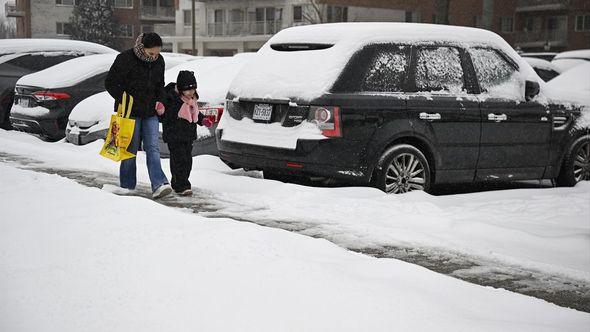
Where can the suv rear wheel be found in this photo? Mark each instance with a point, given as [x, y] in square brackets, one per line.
[403, 168]
[576, 163]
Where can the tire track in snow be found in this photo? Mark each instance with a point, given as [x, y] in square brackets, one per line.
[552, 288]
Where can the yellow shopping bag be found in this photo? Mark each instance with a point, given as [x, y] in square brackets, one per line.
[120, 133]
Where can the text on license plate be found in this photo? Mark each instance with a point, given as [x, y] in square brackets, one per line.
[262, 112]
[24, 102]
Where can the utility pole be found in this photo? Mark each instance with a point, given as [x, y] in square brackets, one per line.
[193, 24]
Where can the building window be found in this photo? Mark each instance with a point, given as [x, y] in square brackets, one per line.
[583, 23]
[65, 2]
[409, 16]
[337, 14]
[297, 14]
[126, 31]
[147, 28]
[506, 24]
[532, 23]
[122, 3]
[188, 19]
[63, 28]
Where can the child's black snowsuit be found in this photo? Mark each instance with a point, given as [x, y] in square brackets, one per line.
[180, 135]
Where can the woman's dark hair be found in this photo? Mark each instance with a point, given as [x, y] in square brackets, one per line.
[151, 39]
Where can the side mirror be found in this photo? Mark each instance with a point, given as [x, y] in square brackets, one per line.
[531, 89]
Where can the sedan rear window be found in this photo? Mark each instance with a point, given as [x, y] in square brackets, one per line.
[292, 47]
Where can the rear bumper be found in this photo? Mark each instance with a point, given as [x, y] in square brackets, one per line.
[49, 128]
[331, 158]
[82, 137]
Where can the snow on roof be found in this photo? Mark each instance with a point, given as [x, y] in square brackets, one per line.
[69, 72]
[583, 54]
[575, 79]
[214, 75]
[542, 64]
[74, 71]
[311, 73]
[47, 45]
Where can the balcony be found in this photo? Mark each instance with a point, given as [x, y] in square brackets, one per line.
[244, 28]
[165, 29]
[541, 5]
[157, 13]
[541, 38]
[12, 10]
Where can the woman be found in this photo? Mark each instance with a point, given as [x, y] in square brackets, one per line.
[140, 72]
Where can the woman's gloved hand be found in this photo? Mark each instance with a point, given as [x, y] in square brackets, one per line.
[207, 122]
[160, 108]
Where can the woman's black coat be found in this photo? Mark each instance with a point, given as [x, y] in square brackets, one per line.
[177, 129]
[143, 80]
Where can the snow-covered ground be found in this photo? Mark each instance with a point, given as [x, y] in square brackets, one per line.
[76, 258]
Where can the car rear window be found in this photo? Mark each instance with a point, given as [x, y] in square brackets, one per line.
[37, 62]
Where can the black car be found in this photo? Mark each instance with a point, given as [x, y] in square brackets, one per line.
[412, 105]
[44, 100]
[20, 57]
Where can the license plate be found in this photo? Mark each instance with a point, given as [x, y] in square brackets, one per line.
[262, 112]
[24, 102]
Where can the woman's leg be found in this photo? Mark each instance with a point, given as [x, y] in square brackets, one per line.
[188, 149]
[149, 137]
[128, 167]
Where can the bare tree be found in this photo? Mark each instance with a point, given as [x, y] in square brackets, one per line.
[314, 12]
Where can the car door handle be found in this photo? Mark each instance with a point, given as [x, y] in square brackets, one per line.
[497, 117]
[430, 116]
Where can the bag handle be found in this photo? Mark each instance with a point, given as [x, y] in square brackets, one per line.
[124, 110]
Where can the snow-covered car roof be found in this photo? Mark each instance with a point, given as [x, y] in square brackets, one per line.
[74, 71]
[311, 73]
[575, 79]
[9, 46]
[570, 59]
[214, 75]
[541, 64]
[69, 72]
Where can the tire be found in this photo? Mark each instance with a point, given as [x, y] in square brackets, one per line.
[403, 168]
[576, 163]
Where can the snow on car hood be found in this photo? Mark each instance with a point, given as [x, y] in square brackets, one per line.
[308, 74]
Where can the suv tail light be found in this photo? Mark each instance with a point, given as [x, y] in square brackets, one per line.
[47, 95]
[327, 118]
[213, 113]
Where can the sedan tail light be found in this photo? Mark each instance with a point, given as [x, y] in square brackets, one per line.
[213, 113]
[327, 118]
[50, 95]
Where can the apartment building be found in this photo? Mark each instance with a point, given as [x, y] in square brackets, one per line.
[226, 27]
[49, 18]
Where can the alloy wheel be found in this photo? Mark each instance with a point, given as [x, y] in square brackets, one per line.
[405, 173]
[582, 163]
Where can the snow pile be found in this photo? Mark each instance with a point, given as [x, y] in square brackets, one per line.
[69, 73]
[28, 45]
[214, 74]
[274, 134]
[541, 229]
[111, 263]
[309, 74]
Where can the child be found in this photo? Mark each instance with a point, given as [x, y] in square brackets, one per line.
[180, 117]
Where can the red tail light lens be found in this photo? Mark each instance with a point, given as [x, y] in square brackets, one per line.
[213, 113]
[327, 118]
[47, 95]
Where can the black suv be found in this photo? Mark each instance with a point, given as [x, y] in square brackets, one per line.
[405, 115]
